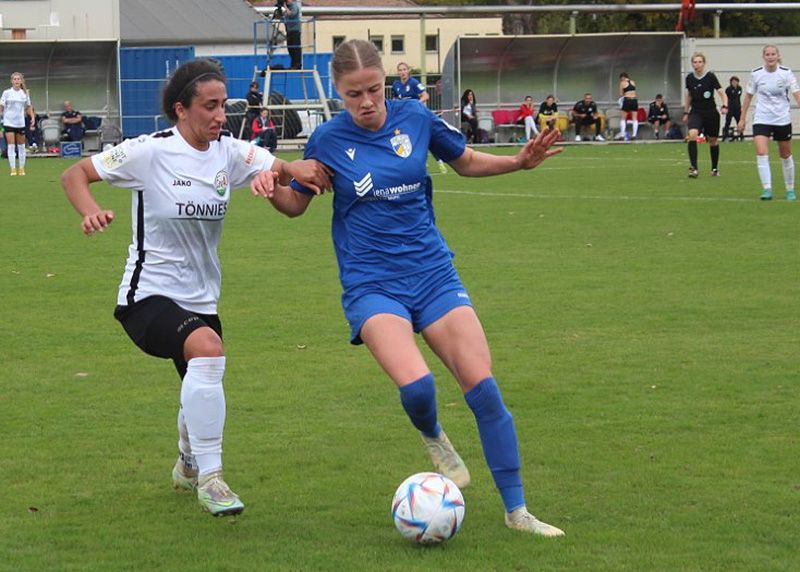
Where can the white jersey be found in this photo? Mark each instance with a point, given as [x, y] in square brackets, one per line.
[772, 90]
[180, 197]
[14, 102]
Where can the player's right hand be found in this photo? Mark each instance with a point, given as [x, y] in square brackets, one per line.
[96, 222]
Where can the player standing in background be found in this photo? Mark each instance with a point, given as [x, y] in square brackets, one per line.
[629, 104]
[15, 103]
[180, 181]
[407, 87]
[396, 268]
[734, 93]
[773, 84]
[700, 112]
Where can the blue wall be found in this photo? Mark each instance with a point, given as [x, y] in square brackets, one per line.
[143, 72]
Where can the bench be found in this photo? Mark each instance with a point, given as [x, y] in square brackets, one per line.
[506, 126]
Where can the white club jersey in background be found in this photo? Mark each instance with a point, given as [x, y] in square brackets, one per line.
[14, 102]
[179, 202]
[772, 91]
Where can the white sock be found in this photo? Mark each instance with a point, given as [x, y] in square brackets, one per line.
[203, 405]
[12, 157]
[635, 123]
[788, 172]
[622, 126]
[21, 151]
[763, 171]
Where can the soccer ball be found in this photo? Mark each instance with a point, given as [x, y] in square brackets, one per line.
[428, 508]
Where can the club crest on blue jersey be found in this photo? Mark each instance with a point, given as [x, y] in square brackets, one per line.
[401, 143]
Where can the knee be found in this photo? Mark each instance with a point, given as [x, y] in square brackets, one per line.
[203, 342]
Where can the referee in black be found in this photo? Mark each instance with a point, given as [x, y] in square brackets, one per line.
[700, 112]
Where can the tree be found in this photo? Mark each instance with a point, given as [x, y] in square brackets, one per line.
[765, 23]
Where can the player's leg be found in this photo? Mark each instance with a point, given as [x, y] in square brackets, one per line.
[459, 341]
[388, 334]
[711, 129]
[761, 143]
[162, 328]
[20, 139]
[11, 146]
[783, 135]
[695, 123]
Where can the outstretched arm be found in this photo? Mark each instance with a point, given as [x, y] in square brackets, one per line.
[477, 164]
[75, 181]
[745, 108]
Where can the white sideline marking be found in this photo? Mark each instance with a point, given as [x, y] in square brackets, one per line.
[601, 198]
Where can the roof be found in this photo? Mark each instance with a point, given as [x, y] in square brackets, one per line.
[176, 22]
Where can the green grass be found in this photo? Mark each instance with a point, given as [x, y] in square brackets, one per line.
[644, 330]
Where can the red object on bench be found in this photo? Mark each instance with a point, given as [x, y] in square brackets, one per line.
[641, 115]
[505, 116]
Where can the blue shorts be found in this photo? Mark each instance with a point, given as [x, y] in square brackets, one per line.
[420, 298]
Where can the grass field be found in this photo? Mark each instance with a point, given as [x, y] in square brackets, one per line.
[644, 330]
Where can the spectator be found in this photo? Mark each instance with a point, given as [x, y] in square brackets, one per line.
[525, 117]
[734, 93]
[255, 100]
[658, 116]
[469, 115]
[629, 104]
[291, 19]
[583, 114]
[72, 122]
[548, 111]
[15, 104]
[263, 130]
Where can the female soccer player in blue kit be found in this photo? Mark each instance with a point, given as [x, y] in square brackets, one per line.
[396, 268]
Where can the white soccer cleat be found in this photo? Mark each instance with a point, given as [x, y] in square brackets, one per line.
[577, 138]
[521, 519]
[446, 460]
[184, 477]
[216, 496]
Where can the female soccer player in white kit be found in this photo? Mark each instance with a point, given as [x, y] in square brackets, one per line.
[181, 180]
[14, 103]
[772, 83]
[396, 269]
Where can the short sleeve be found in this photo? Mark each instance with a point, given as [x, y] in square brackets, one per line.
[793, 87]
[246, 160]
[310, 152]
[447, 143]
[127, 164]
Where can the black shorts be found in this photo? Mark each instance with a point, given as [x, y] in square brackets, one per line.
[159, 327]
[630, 104]
[17, 130]
[777, 132]
[707, 122]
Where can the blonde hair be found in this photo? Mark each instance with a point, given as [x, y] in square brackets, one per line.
[699, 55]
[354, 55]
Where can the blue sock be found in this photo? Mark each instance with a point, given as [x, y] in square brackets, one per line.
[499, 440]
[419, 401]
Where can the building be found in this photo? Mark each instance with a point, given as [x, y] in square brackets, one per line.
[399, 38]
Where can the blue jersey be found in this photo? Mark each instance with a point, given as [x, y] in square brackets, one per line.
[412, 89]
[383, 222]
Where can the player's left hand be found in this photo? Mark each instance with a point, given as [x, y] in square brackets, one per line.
[263, 184]
[537, 150]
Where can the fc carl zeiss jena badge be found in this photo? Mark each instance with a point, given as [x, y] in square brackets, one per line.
[401, 143]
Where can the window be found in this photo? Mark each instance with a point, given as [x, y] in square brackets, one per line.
[378, 41]
[338, 41]
[432, 43]
[398, 44]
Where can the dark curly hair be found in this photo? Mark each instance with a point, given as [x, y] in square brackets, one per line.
[182, 86]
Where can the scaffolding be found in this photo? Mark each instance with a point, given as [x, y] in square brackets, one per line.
[310, 107]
